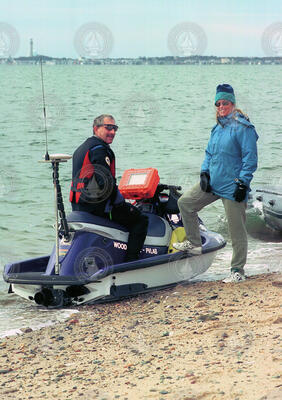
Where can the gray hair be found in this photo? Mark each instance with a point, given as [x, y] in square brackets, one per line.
[100, 120]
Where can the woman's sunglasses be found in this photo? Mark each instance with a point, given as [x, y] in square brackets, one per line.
[222, 103]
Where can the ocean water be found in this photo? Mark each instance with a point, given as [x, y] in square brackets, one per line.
[165, 114]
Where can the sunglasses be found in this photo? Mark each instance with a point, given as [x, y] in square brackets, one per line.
[222, 103]
[110, 127]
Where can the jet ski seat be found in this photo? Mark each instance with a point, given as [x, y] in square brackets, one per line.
[158, 227]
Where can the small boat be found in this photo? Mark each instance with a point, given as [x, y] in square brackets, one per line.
[267, 203]
[87, 262]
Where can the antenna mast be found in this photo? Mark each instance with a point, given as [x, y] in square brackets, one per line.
[44, 113]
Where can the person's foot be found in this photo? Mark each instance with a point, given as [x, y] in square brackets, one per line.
[188, 246]
[234, 277]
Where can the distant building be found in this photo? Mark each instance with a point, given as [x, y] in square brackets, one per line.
[31, 48]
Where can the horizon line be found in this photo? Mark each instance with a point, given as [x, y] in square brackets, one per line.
[139, 57]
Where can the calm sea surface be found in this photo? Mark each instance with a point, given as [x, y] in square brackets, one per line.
[165, 114]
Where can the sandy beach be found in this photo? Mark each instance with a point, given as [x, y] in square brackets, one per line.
[204, 340]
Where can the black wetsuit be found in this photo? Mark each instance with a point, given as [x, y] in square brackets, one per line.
[94, 190]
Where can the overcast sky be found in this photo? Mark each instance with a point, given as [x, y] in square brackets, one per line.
[134, 28]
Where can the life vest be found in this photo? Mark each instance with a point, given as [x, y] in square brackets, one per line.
[83, 169]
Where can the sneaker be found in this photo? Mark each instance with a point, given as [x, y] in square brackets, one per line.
[234, 277]
[187, 246]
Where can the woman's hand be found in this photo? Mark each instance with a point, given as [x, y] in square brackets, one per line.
[240, 191]
[205, 182]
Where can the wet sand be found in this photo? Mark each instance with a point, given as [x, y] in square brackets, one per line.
[206, 340]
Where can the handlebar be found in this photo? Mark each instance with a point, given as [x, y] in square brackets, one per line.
[162, 187]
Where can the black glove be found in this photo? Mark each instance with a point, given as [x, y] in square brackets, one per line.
[240, 191]
[205, 182]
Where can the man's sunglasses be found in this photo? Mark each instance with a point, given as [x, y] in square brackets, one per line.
[222, 103]
[110, 127]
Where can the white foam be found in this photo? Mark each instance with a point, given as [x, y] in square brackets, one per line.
[35, 324]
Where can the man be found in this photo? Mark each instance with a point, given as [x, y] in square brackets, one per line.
[94, 187]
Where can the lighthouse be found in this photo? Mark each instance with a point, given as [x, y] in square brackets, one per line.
[31, 48]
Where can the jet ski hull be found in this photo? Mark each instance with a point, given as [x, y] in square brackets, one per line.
[122, 281]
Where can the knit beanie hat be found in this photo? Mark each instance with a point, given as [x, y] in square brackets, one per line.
[225, 92]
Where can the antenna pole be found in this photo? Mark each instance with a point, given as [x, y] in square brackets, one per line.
[55, 166]
[44, 112]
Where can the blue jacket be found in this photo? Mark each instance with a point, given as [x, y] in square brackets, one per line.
[231, 154]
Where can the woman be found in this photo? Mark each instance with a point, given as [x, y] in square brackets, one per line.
[226, 173]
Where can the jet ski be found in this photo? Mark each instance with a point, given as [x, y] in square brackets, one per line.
[87, 264]
[267, 203]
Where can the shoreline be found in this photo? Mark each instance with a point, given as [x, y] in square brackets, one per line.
[40, 324]
[201, 340]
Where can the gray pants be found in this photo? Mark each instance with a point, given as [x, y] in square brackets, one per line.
[194, 200]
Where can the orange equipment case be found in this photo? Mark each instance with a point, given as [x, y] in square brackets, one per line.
[139, 183]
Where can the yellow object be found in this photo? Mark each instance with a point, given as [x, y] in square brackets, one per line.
[178, 235]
